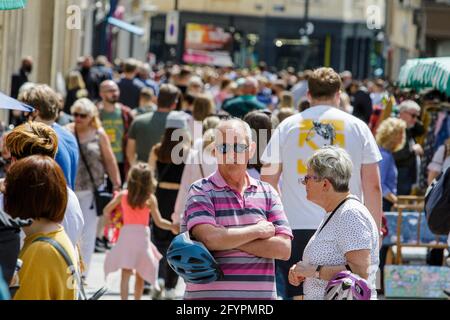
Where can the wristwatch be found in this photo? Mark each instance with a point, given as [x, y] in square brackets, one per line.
[317, 274]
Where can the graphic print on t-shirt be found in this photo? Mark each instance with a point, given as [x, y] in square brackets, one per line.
[317, 134]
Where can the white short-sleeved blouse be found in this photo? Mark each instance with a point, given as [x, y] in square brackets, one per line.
[351, 228]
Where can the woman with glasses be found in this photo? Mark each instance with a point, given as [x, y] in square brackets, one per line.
[347, 238]
[167, 159]
[96, 159]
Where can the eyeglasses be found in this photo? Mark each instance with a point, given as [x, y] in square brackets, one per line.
[305, 180]
[237, 148]
[79, 115]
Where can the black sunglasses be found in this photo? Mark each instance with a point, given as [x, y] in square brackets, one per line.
[79, 115]
[237, 148]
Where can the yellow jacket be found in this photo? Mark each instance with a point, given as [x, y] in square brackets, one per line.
[45, 275]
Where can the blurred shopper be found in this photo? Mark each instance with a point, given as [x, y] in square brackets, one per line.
[408, 158]
[86, 64]
[116, 119]
[361, 102]
[440, 163]
[143, 75]
[261, 126]
[247, 102]
[134, 252]
[21, 77]
[97, 160]
[390, 138]
[130, 87]
[286, 100]
[169, 167]
[300, 90]
[18, 79]
[146, 104]
[47, 105]
[76, 89]
[146, 131]
[203, 108]
[200, 164]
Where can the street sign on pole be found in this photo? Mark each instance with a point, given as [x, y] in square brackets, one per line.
[172, 27]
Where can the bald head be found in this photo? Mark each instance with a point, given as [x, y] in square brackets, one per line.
[108, 85]
[109, 92]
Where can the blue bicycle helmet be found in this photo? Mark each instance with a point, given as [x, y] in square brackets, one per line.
[192, 261]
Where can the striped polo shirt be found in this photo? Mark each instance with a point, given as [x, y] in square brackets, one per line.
[247, 277]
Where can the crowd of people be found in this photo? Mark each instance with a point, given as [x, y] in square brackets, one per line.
[284, 177]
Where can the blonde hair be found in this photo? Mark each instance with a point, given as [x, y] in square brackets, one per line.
[32, 138]
[75, 81]
[286, 100]
[387, 131]
[210, 123]
[86, 106]
[285, 113]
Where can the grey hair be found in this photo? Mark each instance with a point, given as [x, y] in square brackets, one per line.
[409, 105]
[233, 123]
[334, 164]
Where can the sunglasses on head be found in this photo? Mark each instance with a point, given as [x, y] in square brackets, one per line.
[79, 115]
[237, 148]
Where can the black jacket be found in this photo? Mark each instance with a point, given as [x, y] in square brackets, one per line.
[9, 244]
[406, 157]
[362, 105]
[18, 80]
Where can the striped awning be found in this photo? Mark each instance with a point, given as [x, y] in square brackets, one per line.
[426, 73]
[12, 4]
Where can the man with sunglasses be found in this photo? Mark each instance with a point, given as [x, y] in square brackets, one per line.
[408, 158]
[239, 219]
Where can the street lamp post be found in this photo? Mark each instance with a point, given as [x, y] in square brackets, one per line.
[306, 12]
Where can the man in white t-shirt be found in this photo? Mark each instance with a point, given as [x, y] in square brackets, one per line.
[296, 139]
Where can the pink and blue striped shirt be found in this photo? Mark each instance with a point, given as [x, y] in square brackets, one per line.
[212, 201]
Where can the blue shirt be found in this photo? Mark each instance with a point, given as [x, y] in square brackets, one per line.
[389, 173]
[68, 155]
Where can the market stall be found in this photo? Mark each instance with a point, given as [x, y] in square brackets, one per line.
[429, 73]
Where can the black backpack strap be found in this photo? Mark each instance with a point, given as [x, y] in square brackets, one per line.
[336, 209]
[65, 255]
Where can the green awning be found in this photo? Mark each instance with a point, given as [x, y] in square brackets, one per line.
[426, 73]
[12, 4]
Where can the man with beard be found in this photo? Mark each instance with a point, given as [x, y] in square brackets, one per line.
[116, 119]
